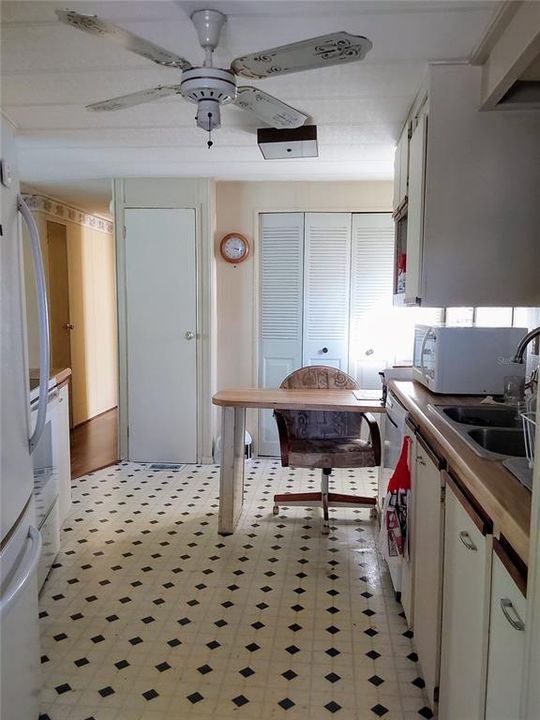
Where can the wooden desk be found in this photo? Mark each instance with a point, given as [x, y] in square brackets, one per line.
[234, 404]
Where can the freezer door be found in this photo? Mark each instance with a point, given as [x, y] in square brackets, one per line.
[19, 640]
[16, 481]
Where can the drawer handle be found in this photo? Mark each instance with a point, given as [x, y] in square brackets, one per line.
[466, 540]
[507, 607]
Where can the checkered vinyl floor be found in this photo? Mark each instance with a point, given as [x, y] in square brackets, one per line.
[148, 614]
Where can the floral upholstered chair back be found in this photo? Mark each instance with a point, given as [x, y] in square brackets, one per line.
[316, 424]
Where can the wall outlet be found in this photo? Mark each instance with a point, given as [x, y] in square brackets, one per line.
[5, 173]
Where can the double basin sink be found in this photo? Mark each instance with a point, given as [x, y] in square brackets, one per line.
[492, 432]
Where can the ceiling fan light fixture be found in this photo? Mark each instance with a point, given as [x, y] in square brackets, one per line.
[288, 144]
[208, 115]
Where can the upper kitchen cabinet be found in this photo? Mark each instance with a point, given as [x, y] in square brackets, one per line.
[471, 234]
[401, 170]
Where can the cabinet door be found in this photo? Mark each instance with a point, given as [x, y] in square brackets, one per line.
[428, 529]
[61, 451]
[327, 267]
[415, 212]
[465, 603]
[371, 295]
[280, 320]
[401, 168]
[403, 164]
[407, 574]
[397, 175]
[506, 645]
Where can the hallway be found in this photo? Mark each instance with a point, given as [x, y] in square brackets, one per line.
[94, 444]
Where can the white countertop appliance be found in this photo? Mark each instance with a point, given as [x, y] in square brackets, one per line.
[20, 539]
[454, 360]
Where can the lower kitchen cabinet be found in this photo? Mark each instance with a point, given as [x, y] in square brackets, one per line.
[465, 610]
[506, 638]
[428, 539]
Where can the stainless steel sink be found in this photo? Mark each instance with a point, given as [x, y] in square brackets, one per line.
[492, 432]
[503, 441]
[484, 416]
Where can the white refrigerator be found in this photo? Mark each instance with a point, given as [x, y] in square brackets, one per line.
[20, 541]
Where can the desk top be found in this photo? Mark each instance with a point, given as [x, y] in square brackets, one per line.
[281, 399]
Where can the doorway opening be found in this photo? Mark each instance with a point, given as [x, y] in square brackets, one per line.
[79, 263]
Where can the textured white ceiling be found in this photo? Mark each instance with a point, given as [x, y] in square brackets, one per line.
[50, 71]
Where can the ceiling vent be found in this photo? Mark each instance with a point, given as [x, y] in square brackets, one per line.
[288, 143]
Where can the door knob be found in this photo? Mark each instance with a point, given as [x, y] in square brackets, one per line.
[68, 326]
[189, 335]
[324, 350]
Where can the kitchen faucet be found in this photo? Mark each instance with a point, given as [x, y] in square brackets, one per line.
[518, 357]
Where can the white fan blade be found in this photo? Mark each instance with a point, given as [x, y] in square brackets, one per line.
[93, 25]
[137, 98]
[269, 109]
[333, 49]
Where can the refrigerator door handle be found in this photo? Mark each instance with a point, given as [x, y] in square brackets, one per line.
[43, 314]
[25, 572]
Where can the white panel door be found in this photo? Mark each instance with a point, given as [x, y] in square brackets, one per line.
[280, 322]
[371, 346]
[161, 316]
[326, 289]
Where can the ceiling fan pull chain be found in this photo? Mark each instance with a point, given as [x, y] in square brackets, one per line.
[210, 141]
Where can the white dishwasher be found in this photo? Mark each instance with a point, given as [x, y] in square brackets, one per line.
[394, 431]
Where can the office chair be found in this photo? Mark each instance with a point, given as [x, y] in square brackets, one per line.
[326, 440]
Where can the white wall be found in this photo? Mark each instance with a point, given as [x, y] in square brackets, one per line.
[199, 194]
[237, 207]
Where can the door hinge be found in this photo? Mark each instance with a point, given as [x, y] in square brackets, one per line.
[436, 694]
[443, 494]
[124, 231]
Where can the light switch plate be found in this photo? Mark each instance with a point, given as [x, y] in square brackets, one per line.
[5, 173]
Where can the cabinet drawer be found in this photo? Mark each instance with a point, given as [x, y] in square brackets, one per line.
[506, 644]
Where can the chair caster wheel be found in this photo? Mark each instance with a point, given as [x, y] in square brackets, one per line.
[373, 514]
[275, 510]
[325, 529]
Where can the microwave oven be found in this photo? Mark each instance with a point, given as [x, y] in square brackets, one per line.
[453, 360]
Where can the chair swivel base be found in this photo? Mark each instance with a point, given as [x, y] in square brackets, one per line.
[318, 499]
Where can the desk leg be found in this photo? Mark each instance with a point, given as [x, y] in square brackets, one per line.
[231, 480]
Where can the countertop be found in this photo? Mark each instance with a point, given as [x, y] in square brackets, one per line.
[57, 378]
[494, 488]
[296, 399]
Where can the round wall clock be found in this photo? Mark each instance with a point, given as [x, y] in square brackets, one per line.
[234, 248]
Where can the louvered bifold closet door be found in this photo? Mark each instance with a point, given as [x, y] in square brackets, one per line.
[280, 319]
[371, 296]
[326, 289]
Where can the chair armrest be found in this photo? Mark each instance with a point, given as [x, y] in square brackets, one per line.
[283, 438]
[374, 435]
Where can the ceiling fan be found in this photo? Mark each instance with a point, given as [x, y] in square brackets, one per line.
[211, 87]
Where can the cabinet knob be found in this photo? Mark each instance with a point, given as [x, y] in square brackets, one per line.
[189, 335]
[324, 350]
[69, 326]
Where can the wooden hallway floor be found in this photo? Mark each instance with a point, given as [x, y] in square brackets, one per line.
[94, 444]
